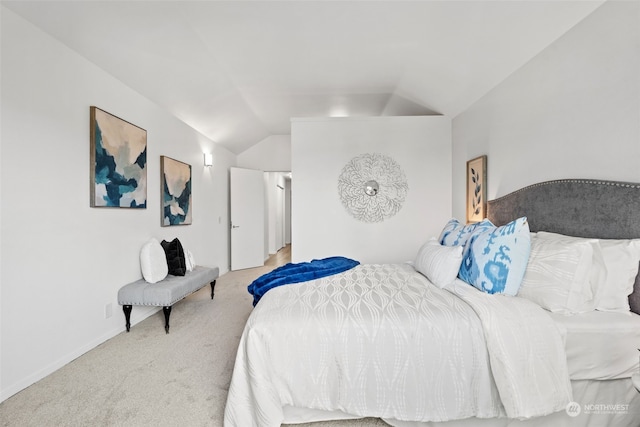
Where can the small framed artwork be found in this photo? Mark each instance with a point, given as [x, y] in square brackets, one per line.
[175, 184]
[476, 189]
[118, 159]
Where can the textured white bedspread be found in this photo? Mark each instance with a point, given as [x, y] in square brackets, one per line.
[526, 350]
[380, 340]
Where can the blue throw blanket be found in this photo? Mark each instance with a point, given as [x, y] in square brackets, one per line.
[299, 272]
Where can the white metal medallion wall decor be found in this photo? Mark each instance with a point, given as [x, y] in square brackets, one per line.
[372, 187]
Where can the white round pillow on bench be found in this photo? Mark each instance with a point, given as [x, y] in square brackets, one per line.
[189, 260]
[153, 261]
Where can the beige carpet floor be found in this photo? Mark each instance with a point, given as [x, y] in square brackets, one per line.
[148, 378]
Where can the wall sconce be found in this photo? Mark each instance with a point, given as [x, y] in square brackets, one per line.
[208, 159]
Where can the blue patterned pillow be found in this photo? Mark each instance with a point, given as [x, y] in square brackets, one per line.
[496, 258]
[455, 233]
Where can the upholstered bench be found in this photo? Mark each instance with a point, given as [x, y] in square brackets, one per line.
[166, 292]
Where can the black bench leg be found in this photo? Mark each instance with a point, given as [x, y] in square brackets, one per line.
[127, 316]
[213, 285]
[167, 313]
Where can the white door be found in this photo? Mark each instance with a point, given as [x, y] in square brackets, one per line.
[247, 218]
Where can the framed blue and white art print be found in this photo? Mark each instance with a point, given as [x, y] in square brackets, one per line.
[175, 178]
[118, 162]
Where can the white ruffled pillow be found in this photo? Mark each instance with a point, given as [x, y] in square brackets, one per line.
[621, 258]
[613, 276]
[559, 275]
[438, 263]
[153, 261]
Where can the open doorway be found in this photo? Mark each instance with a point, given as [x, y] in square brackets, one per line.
[278, 211]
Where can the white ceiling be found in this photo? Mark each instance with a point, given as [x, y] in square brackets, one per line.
[237, 71]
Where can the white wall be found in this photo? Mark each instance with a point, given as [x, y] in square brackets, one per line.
[63, 261]
[571, 112]
[321, 226]
[272, 154]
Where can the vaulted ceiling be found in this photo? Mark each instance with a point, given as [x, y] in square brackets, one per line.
[237, 71]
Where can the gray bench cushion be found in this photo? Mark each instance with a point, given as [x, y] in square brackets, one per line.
[169, 290]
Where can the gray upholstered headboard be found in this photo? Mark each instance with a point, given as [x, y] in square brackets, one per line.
[576, 207]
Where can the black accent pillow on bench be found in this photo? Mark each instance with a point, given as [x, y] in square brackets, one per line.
[175, 257]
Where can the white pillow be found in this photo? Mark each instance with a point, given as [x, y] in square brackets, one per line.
[153, 261]
[439, 264]
[558, 275]
[620, 259]
[189, 260]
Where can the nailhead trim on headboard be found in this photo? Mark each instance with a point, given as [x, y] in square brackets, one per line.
[577, 181]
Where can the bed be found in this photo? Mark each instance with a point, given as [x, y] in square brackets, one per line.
[421, 349]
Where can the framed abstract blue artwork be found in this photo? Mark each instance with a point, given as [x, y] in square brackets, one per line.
[175, 181]
[118, 162]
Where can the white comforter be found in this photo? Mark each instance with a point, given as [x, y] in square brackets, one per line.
[382, 341]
